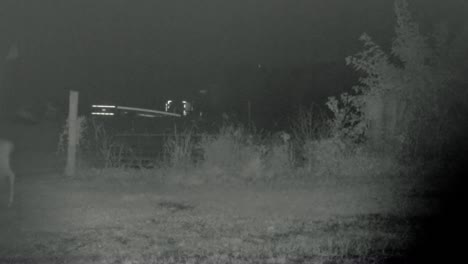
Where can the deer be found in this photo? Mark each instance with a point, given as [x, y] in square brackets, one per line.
[6, 173]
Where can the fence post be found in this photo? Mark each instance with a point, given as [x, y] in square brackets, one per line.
[72, 134]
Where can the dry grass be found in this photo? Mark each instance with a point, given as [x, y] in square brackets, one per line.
[251, 198]
[104, 222]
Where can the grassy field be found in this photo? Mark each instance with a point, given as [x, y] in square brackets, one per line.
[247, 200]
[142, 220]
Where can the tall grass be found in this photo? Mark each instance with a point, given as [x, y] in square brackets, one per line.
[179, 149]
[97, 145]
[280, 160]
[310, 123]
[235, 154]
[232, 154]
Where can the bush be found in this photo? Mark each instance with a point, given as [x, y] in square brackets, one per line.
[404, 93]
[97, 145]
[232, 154]
[332, 160]
[179, 149]
[323, 156]
[280, 157]
[310, 123]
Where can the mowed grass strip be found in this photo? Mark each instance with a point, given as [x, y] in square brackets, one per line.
[143, 222]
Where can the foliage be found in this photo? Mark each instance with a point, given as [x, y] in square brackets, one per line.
[232, 153]
[347, 121]
[179, 148]
[280, 157]
[96, 144]
[103, 142]
[323, 156]
[310, 123]
[403, 94]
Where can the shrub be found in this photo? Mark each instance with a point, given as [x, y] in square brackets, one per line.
[232, 154]
[322, 157]
[334, 161]
[310, 123]
[179, 149]
[97, 145]
[279, 158]
[404, 93]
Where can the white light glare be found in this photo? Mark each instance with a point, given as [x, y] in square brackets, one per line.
[103, 106]
[102, 113]
[168, 105]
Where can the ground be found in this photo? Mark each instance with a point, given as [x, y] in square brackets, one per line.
[56, 220]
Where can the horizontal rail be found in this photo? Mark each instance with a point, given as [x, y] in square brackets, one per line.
[153, 135]
[148, 111]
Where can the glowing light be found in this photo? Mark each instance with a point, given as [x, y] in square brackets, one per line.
[102, 113]
[103, 106]
[168, 105]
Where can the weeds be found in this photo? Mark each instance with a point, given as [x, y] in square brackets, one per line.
[311, 123]
[323, 157]
[179, 149]
[319, 149]
[96, 145]
[227, 151]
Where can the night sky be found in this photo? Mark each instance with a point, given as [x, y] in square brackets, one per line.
[141, 52]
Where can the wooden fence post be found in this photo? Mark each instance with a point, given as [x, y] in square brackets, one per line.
[72, 134]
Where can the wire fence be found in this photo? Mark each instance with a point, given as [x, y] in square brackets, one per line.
[37, 148]
[138, 150]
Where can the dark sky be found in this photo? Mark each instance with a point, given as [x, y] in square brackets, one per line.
[138, 49]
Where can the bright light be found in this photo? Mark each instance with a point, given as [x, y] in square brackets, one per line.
[187, 108]
[102, 113]
[168, 105]
[103, 106]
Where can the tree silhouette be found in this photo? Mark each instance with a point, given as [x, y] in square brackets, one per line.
[404, 97]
